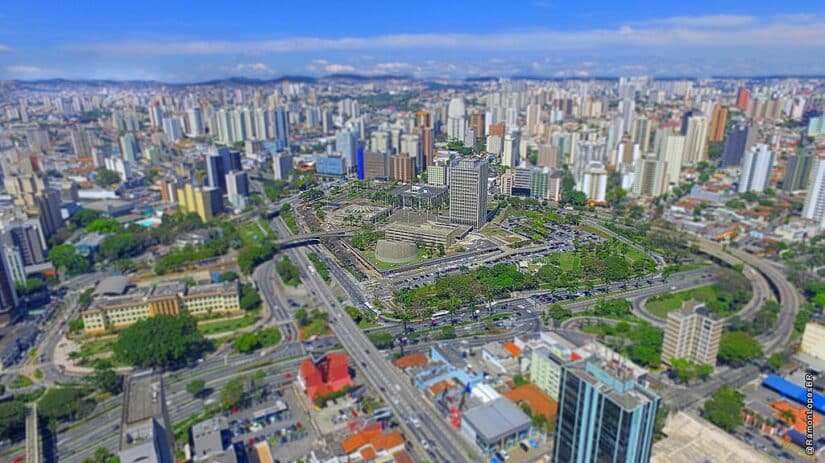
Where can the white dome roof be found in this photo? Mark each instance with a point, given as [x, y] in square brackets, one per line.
[456, 108]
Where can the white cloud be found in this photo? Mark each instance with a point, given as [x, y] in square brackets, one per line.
[336, 68]
[710, 31]
[5, 48]
[254, 68]
[24, 69]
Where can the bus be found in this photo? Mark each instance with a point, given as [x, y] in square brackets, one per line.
[439, 315]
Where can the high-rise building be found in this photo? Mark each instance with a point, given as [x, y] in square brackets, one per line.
[402, 168]
[281, 165]
[26, 237]
[510, 150]
[756, 169]
[548, 156]
[48, 208]
[172, 129]
[423, 119]
[80, 142]
[8, 294]
[468, 192]
[692, 334]
[411, 146]
[145, 429]
[456, 122]
[237, 188]
[282, 126]
[672, 150]
[641, 133]
[718, 120]
[743, 96]
[381, 142]
[798, 172]
[196, 128]
[204, 201]
[696, 140]
[814, 208]
[594, 182]
[606, 413]
[376, 165]
[14, 263]
[740, 139]
[346, 142]
[477, 124]
[216, 163]
[650, 177]
[128, 147]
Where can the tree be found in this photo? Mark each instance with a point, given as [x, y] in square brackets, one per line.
[105, 379]
[776, 361]
[725, 408]
[60, 403]
[85, 298]
[83, 217]
[269, 337]
[175, 339]
[65, 257]
[233, 393]
[105, 177]
[196, 386]
[228, 275]
[736, 347]
[247, 342]
[102, 455]
[250, 299]
[103, 225]
[381, 339]
[12, 418]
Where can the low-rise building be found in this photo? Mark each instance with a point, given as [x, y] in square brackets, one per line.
[813, 340]
[207, 440]
[325, 375]
[168, 298]
[693, 334]
[496, 424]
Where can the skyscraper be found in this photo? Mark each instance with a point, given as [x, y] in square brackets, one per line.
[696, 140]
[346, 142]
[756, 169]
[128, 147]
[281, 165]
[510, 150]
[477, 123]
[456, 123]
[814, 208]
[718, 119]
[650, 177]
[8, 295]
[195, 116]
[743, 96]
[739, 140]
[606, 412]
[672, 151]
[26, 237]
[692, 334]
[798, 172]
[237, 188]
[282, 126]
[468, 192]
[172, 129]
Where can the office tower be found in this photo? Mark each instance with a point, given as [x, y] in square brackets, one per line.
[376, 165]
[48, 208]
[411, 146]
[437, 174]
[80, 142]
[204, 201]
[650, 177]
[641, 133]
[215, 170]
[743, 96]
[692, 334]
[456, 124]
[814, 208]
[427, 144]
[685, 118]
[155, 116]
[477, 124]
[120, 166]
[128, 147]
[237, 188]
[145, 429]
[498, 129]
[586, 153]
[195, 116]
[797, 172]
[510, 150]
[548, 156]
[696, 140]
[554, 184]
[495, 145]
[26, 237]
[282, 126]
[594, 182]
[627, 109]
[172, 129]
[672, 151]
[539, 182]
[14, 263]
[8, 294]
[468, 192]
[505, 182]
[346, 143]
[718, 120]
[521, 182]
[281, 165]
[402, 168]
[381, 142]
[740, 139]
[756, 169]
[423, 119]
[606, 413]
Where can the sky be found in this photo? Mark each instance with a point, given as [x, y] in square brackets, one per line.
[187, 41]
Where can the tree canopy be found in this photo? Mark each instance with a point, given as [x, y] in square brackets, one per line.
[174, 339]
[725, 408]
[105, 177]
[737, 347]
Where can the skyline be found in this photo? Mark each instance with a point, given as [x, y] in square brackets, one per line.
[131, 42]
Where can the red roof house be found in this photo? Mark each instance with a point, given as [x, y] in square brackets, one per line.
[324, 376]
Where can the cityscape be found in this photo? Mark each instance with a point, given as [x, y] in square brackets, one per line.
[292, 240]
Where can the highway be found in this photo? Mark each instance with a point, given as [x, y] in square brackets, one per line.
[435, 440]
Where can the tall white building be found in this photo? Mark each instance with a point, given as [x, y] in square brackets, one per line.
[672, 149]
[468, 192]
[195, 116]
[510, 151]
[650, 177]
[346, 143]
[756, 169]
[411, 145]
[696, 138]
[172, 129]
[815, 200]
[456, 122]
[594, 182]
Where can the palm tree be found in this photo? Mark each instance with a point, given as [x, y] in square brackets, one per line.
[787, 416]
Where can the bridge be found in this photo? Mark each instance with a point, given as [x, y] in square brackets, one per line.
[310, 238]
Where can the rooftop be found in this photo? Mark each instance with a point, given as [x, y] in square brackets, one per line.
[496, 419]
[112, 286]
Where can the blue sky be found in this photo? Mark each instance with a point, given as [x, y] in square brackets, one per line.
[180, 41]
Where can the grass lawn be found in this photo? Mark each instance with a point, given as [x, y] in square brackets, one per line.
[370, 255]
[21, 381]
[94, 347]
[660, 306]
[251, 234]
[316, 327]
[207, 327]
[569, 262]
